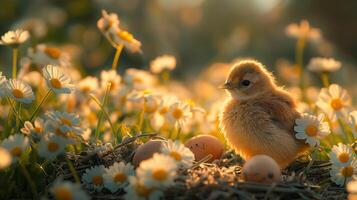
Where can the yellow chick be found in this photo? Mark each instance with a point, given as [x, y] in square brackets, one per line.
[259, 116]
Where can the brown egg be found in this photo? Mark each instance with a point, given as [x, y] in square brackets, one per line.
[203, 145]
[146, 151]
[261, 169]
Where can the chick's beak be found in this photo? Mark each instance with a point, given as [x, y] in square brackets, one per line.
[226, 85]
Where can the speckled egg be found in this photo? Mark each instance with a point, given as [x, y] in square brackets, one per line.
[203, 145]
[261, 169]
[146, 151]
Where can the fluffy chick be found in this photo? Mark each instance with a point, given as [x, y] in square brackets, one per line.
[259, 116]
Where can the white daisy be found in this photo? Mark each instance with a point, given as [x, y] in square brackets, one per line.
[51, 146]
[179, 114]
[123, 37]
[139, 79]
[112, 77]
[88, 85]
[93, 177]
[158, 171]
[344, 174]
[181, 154]
[165, 62]
[334, 101]
[303, 30]
[341, 155]
[6, 158]
[68, 122]
[107, 21]
[34, 130]
[65, 190]
[311, 128]
[137, 190]
[324, 65]
[146, 99]
[43, 55]
[14, 38]
[353, 122]
[19, 91]
[116, 176]
[57, 80]
[16, 145]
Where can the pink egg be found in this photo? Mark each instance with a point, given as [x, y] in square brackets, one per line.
[146, 151]
[261, 169]
[204, 145]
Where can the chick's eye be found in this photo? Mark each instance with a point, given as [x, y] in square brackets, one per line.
[245, 82]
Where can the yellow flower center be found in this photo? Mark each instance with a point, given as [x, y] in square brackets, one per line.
[52, 146]
[125, 35]
[97, 180]
[343, 157]
[38, 129]
[56, 83]
[137, 80]
[53, 52]
[177, 113]
[62, 193]
[347, 171]
[60, 133]
[18, 93]
[66, 121]
[16, 151]
[176, 155]
[142, 191]
[119, 177]
[336, 104]
[311, 130]
[159, 174]
[150, 108]
[85, 88]
[164, 110]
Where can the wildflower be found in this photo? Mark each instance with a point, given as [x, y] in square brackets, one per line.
[5, 158]
[19, 91]
[88, 85]
[93, 177]
[159, 171]
[14, 38]
[57, 80]
[35, 130]
[43, 55]
[139, 79]
[334, 101]
[341, 155]
[68, 122]
[116, 176]
[148, 101]
[165, 62]
[112, 77]
[64, 190]
[108, 24]
[353, 122]
[139, 191]
[181, 154]
[311, 128]
[16, 145]
[343, 174]
[179, 114]
[51, 146]
[324, 65]
[303, 30]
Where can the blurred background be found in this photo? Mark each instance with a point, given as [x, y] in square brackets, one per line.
[197, 32]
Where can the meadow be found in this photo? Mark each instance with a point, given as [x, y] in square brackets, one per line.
[67, 135]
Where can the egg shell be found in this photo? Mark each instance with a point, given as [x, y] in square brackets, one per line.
[146, 151]
[203, 145]
[261, 169]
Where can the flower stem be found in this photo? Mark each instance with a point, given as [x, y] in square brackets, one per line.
[28, 177]
[14, 110]
[18, 117]
[116, 57]
[40, 104]
[73, 170]
[14, 62]
[325, 79]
